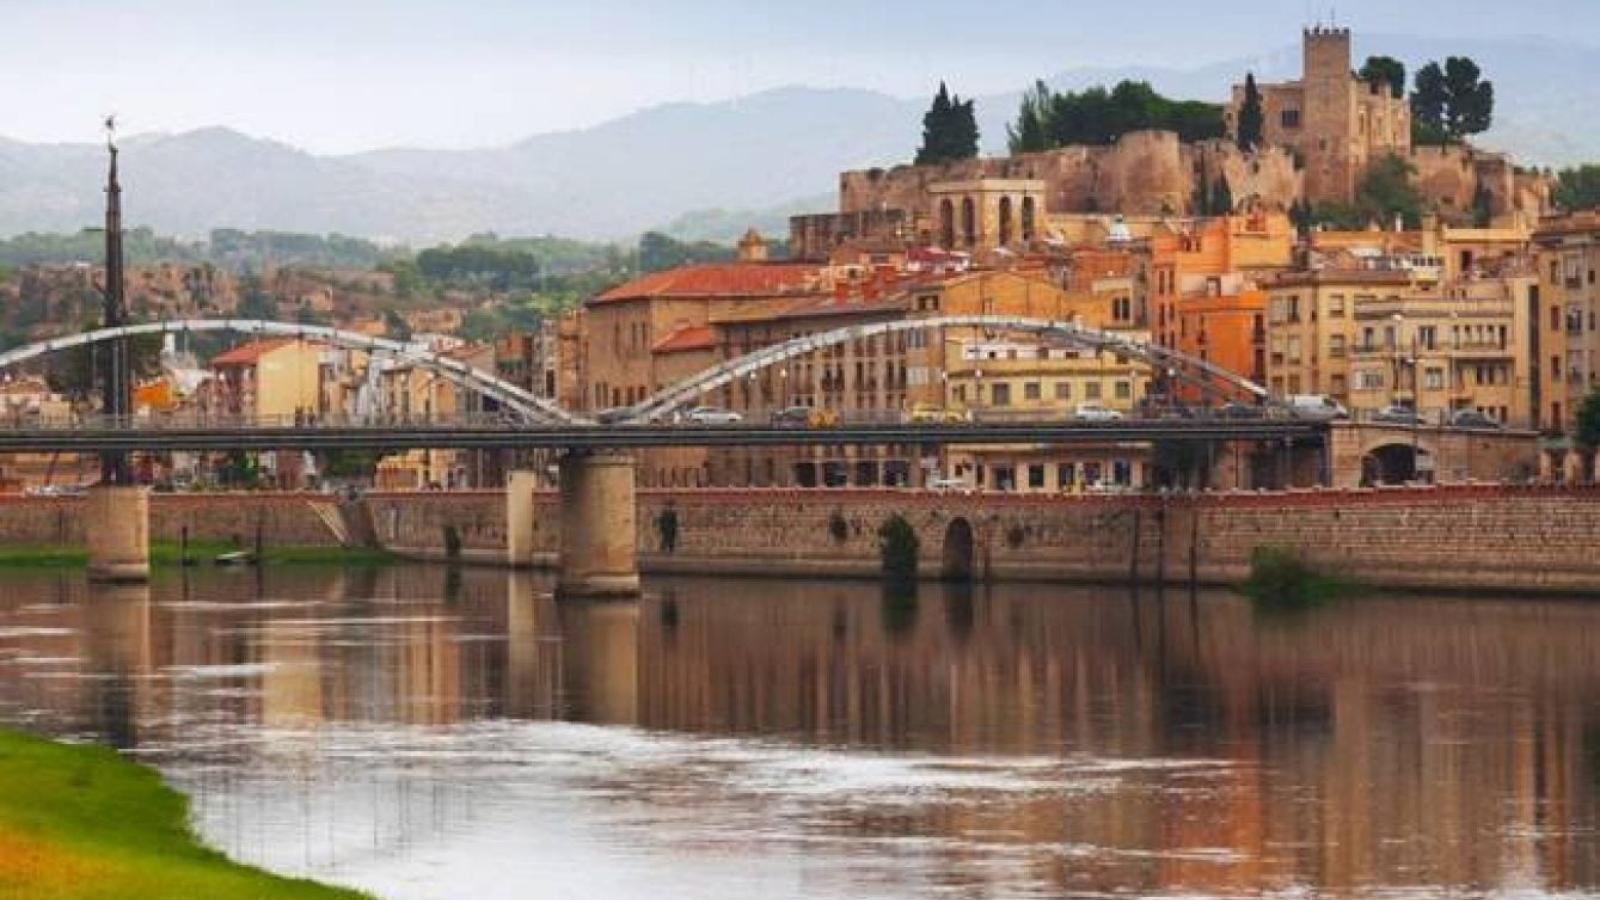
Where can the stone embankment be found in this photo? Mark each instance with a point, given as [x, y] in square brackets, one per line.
[1487, 538]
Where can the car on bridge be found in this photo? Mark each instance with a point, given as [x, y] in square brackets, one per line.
[933, 414]
[1471, 418]
[791, 417]
[712, 415]
[1395, 414]
[1316, 406]
[1094, 412]
[1240, 411]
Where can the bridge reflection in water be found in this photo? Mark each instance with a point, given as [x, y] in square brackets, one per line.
[400, 728]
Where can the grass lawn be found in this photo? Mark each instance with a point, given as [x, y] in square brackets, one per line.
[168, 553]
[81, 821]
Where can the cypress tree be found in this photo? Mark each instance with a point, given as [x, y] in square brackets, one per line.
[1251, 118]
[949, 129]
[936, 129]
[1222, 197]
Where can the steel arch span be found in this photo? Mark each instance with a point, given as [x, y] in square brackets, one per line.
[1205, 375]
[513, 397]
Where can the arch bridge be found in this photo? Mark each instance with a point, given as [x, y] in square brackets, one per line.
[530, 408]
[1211, 379]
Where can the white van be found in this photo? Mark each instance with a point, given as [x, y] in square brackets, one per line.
[1316, 406]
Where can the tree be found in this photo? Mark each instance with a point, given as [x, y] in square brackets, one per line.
[1222, 197]
[1385, 70]
[659, 252]
[395, 326]
[1097, 116]
[1578, 188]
[1482, 206]
[949, 130]
[1386, 191]
[1029, 134]
[1251, 118]
[1450, 103]
[1471, 108]
[1429, 100]
[1586, 427]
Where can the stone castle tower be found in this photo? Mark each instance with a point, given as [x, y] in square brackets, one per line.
[1335, 123]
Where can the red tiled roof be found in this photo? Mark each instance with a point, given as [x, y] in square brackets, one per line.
[249, 354]
[690, 337]
[715, 280]
[811, 307]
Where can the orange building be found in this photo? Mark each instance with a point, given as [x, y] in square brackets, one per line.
[1227, 329]
[1205, 278]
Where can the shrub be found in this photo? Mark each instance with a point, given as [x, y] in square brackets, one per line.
[1280, 578]
[898, 547]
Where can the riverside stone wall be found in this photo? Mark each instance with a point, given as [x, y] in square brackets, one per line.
[1459, 538]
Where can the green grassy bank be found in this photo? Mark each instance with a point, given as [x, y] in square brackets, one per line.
[169, 553]
[80, 822]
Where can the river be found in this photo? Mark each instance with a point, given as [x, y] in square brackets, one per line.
[420, 732]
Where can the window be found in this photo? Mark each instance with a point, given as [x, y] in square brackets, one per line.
[1091, 391]
[1433, 379]
[1336, 306]
[1001, 394]
[1336, 385]
[1031, 391]
[1124, 390]
[1066, 475]
[1290, 118]
[1369, 379]
[1063, 390]
[1036, 476]
[1336, 345]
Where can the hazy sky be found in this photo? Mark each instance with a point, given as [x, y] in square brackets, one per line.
[345, 75]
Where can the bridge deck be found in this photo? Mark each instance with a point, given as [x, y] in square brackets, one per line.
[157, 437]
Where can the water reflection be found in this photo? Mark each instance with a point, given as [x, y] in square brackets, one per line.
[428, 732]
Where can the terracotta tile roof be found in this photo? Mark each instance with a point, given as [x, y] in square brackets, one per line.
[715, 280]
[689, 337]
[249, 354]
[816, 307]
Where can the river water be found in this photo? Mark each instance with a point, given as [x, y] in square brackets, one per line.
[425, 733]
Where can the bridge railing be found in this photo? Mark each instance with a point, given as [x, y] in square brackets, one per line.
[214, 421]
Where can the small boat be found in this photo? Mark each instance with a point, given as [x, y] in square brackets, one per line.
[236, 558]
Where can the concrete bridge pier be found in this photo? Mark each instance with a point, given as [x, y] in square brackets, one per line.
[118, 530]
[520, 486]
[599, 538]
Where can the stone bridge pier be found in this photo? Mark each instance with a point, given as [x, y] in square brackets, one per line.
[117, 521]
[599, 546]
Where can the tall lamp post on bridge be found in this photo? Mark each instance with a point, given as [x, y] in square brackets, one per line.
[118, 509]
[1401, 364]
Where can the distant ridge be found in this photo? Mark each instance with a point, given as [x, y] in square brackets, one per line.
[674, 166]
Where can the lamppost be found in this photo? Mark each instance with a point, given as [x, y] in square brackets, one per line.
[1416, 393]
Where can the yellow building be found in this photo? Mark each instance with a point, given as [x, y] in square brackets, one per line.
[1001, 380]
[1568, 249]
[268, 381]
[1371, 339]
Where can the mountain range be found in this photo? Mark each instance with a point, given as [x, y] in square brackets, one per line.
[699, 170]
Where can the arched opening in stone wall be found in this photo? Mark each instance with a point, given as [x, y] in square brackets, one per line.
[958, 551]
[947, 225]
[1394, 464]
[1028, 220]
[1005, 221]
[969, 222]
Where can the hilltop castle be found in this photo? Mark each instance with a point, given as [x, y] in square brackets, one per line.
[1320, 134]
[1335, 122]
